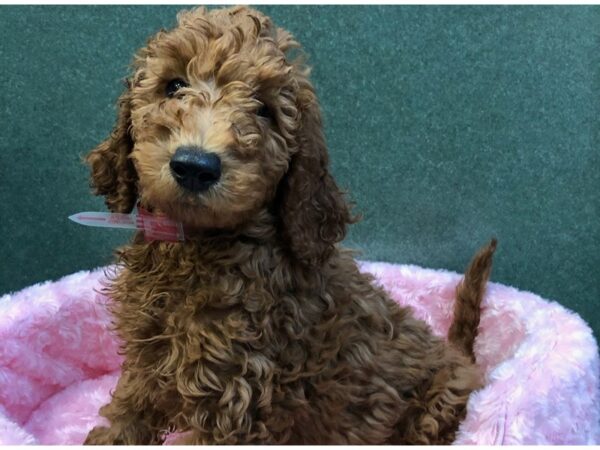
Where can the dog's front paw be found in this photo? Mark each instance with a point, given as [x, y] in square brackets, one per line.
[102, 436]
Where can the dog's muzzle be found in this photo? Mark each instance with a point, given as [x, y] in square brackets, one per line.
[194, 169]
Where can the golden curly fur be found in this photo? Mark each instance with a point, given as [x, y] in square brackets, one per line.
[259, 328]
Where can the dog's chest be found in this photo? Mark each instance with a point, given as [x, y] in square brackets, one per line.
[189, 320]
[191, 335]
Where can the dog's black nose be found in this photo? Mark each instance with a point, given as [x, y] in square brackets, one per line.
[194, 169]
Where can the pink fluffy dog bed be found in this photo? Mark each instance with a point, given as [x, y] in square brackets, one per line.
[58, 361]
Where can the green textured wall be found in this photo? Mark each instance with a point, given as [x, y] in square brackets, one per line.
[447, 124]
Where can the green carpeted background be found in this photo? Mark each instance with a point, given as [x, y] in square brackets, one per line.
[448, 125]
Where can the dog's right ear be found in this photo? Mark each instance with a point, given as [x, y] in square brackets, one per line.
[313, 210]
[112, 172]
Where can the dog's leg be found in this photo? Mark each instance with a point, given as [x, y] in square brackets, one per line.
[436, 408]
[132, 418]
[237, 421]
[226, 427]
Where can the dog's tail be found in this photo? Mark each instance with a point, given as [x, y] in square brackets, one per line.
[469, 294]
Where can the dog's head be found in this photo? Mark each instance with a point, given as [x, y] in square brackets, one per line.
[216, 125]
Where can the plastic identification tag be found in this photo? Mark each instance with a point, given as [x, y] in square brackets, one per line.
[155, 227]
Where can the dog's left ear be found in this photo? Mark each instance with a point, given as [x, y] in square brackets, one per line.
[113, 173]
[313, 212]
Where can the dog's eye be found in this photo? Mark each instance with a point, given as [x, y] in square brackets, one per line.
[264, 111]
[174, 85]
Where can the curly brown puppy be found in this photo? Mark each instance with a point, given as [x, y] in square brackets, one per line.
[258, 328]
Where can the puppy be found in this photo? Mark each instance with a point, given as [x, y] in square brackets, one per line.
[258, 328]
